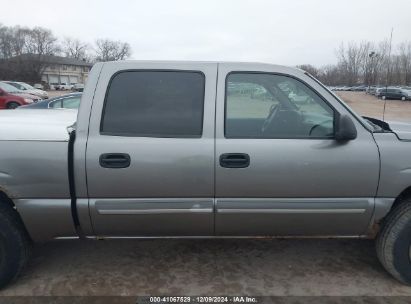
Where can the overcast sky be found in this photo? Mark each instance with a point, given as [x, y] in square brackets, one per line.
[286, 32]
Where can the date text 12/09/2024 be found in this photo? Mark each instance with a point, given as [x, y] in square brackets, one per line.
[201, 299]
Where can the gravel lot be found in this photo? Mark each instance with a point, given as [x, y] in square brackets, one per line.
[207, 267]
[369, 105]
[53, 94]
[300, 267]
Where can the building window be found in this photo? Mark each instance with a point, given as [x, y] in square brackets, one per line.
[85, 69]
[64, 68]
[73, 68]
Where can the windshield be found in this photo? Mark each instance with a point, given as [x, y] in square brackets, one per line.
[25, 85]
[16, 85]
[8, 88]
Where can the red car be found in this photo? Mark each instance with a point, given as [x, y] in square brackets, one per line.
[11, 98]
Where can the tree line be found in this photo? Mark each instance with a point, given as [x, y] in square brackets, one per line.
[367, 63]
[24, 51]
[363, 62]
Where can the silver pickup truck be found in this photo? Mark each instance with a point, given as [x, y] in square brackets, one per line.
[203, 149]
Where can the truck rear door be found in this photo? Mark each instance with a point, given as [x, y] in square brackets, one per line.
[150, 150]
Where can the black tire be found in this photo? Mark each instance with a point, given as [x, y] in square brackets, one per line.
[14, 245]
[394, 240]
[12, 105]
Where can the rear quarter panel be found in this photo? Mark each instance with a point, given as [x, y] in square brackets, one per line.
[34, 169]
[34, 175]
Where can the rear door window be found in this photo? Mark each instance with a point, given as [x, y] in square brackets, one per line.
[71, 103]
[56, 104]
[154, 104]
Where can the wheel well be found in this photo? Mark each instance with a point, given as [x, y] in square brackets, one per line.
[5, 199]
[13, 101]
[399, 199]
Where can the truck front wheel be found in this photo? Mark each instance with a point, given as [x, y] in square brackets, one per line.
[394, 242]
[14, 245]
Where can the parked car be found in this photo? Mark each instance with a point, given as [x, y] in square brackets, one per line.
[371, 90]
[393, 93]
[25, 87]
[79, 87]
[407, 93]
[65, 86]
[299, 97]
[406, 89]
[360, 88]
[378, 90]
[11, 97]
[38, 86]
[69, 101]
[54, 86]
[163, 149]
[339, 88]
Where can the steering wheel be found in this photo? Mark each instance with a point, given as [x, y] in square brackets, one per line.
[321, 124]
[273, 112]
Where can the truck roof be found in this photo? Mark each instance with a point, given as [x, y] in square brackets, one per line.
[238, 64]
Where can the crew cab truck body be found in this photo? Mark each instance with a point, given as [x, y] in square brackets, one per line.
[204, 149]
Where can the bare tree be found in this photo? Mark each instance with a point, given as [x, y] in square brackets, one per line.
[310, 69]
[41, 41]
[110, 50]
[25, 51]
[331, 75]
[405, 62]
[18, 40]
[12, 41]
[74, 48]
[351, 60]
[5, 42]
[367, 63]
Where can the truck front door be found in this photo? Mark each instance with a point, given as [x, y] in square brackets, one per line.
[280, 170]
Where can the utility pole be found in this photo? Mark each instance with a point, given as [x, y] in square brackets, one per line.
[370, 69]
[388, 72]
[389, 60]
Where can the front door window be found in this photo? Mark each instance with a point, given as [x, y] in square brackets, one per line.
[274, 106]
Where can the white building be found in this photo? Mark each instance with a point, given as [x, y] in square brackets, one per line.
[61, 70]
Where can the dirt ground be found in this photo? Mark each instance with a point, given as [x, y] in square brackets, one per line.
[55, 93]
[298, 267]
[369, 105]
[280, 267]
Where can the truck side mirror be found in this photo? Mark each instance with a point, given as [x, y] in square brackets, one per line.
[345, 129]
